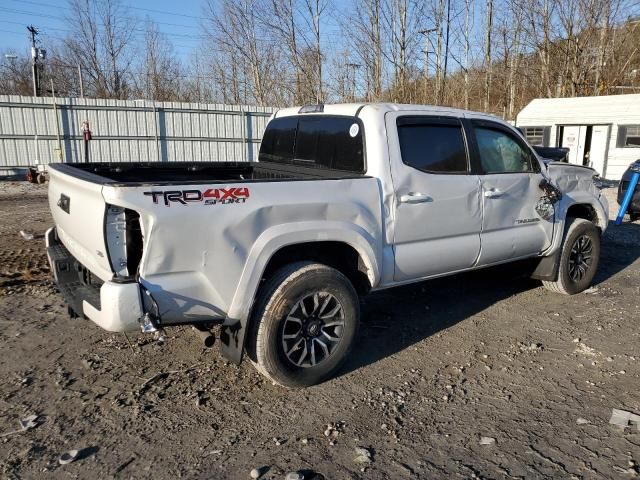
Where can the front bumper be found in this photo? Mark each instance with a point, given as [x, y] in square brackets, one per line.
[114, 306]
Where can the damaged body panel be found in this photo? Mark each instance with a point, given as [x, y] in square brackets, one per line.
[385, 194]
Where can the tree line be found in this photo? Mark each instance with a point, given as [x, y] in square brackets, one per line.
[487, 55]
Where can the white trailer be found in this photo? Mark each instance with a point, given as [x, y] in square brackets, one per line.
[600, 132]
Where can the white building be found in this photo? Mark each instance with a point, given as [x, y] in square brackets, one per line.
[600, 132]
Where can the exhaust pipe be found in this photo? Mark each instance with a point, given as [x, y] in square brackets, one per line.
[207, 336]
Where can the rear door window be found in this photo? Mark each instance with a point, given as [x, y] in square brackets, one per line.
[315, 141]
[432, 145]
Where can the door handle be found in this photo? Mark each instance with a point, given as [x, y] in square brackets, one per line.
[415, 197]
[493, 193]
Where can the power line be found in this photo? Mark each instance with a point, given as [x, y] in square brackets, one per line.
[43, 31]
[9, 31]
[177, 35]
[331, 44]
[162, 12]
[58, 7]
[182, 35]
[141, 33]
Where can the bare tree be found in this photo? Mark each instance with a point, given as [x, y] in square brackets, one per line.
[401, 25]
[439, 19]
[363, 31]
[468, 14]
[15, 73]
[487, 54]
[234, 29]
[276, 52]
[315, 9]
[296, 28]
[160, 70]
[539, 20]
[101, 42]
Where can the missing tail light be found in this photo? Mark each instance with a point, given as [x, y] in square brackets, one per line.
[124, 240]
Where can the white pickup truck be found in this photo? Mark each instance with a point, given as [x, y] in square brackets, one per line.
[344, 200]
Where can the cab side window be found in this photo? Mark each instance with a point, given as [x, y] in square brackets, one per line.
[501, 153]
[432, 146]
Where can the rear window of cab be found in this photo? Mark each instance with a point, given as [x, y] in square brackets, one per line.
[317, 141]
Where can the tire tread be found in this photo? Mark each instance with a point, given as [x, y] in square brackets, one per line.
[270, 293]
[558, 285]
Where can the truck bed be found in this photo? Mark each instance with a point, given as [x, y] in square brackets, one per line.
[124, 221]
[192, 173]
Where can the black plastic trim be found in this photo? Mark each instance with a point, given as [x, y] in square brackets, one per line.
[298, 172]
[547, 268]
[75, 282]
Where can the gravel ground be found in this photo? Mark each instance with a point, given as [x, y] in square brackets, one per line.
[483, 375]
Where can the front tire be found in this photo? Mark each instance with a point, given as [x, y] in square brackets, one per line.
[579, 258]
[304, 324]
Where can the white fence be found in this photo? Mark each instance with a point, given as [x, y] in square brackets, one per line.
[39, 130]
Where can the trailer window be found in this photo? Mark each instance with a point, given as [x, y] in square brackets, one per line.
[629, 136]
[537, 136]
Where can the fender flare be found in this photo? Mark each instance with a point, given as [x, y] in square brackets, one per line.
[547, 268]
[233, 333]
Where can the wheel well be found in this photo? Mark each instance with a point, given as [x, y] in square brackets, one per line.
[583, 210]
[338, 255]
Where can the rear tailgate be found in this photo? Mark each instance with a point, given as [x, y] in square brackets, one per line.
[78, 210]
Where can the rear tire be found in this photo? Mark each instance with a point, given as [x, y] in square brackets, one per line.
[579, 258]
[303, 324]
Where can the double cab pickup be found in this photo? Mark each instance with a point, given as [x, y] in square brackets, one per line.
[343, 200]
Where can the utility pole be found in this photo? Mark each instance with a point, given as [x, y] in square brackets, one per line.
[353, 67]
[487, 56]
[80, 82]
[446, 48]
[34, 60]
[427, 45]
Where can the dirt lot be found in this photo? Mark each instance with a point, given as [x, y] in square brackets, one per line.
[438, 365]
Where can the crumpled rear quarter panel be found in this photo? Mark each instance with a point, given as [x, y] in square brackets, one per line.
[196, 255]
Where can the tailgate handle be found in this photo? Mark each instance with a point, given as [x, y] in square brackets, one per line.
[64, 202]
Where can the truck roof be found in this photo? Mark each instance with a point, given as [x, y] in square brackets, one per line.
[353, 109]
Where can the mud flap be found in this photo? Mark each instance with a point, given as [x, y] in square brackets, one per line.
[547, 268]
[232, 339]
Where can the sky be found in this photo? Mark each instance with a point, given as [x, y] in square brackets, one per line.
[181, 25]
[180, 21]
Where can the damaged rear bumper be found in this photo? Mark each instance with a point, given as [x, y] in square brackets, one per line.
[114, 306]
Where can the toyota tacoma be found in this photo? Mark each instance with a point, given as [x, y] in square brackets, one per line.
[343, 200]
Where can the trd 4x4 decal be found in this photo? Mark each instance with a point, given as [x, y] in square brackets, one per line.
[211, 196]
